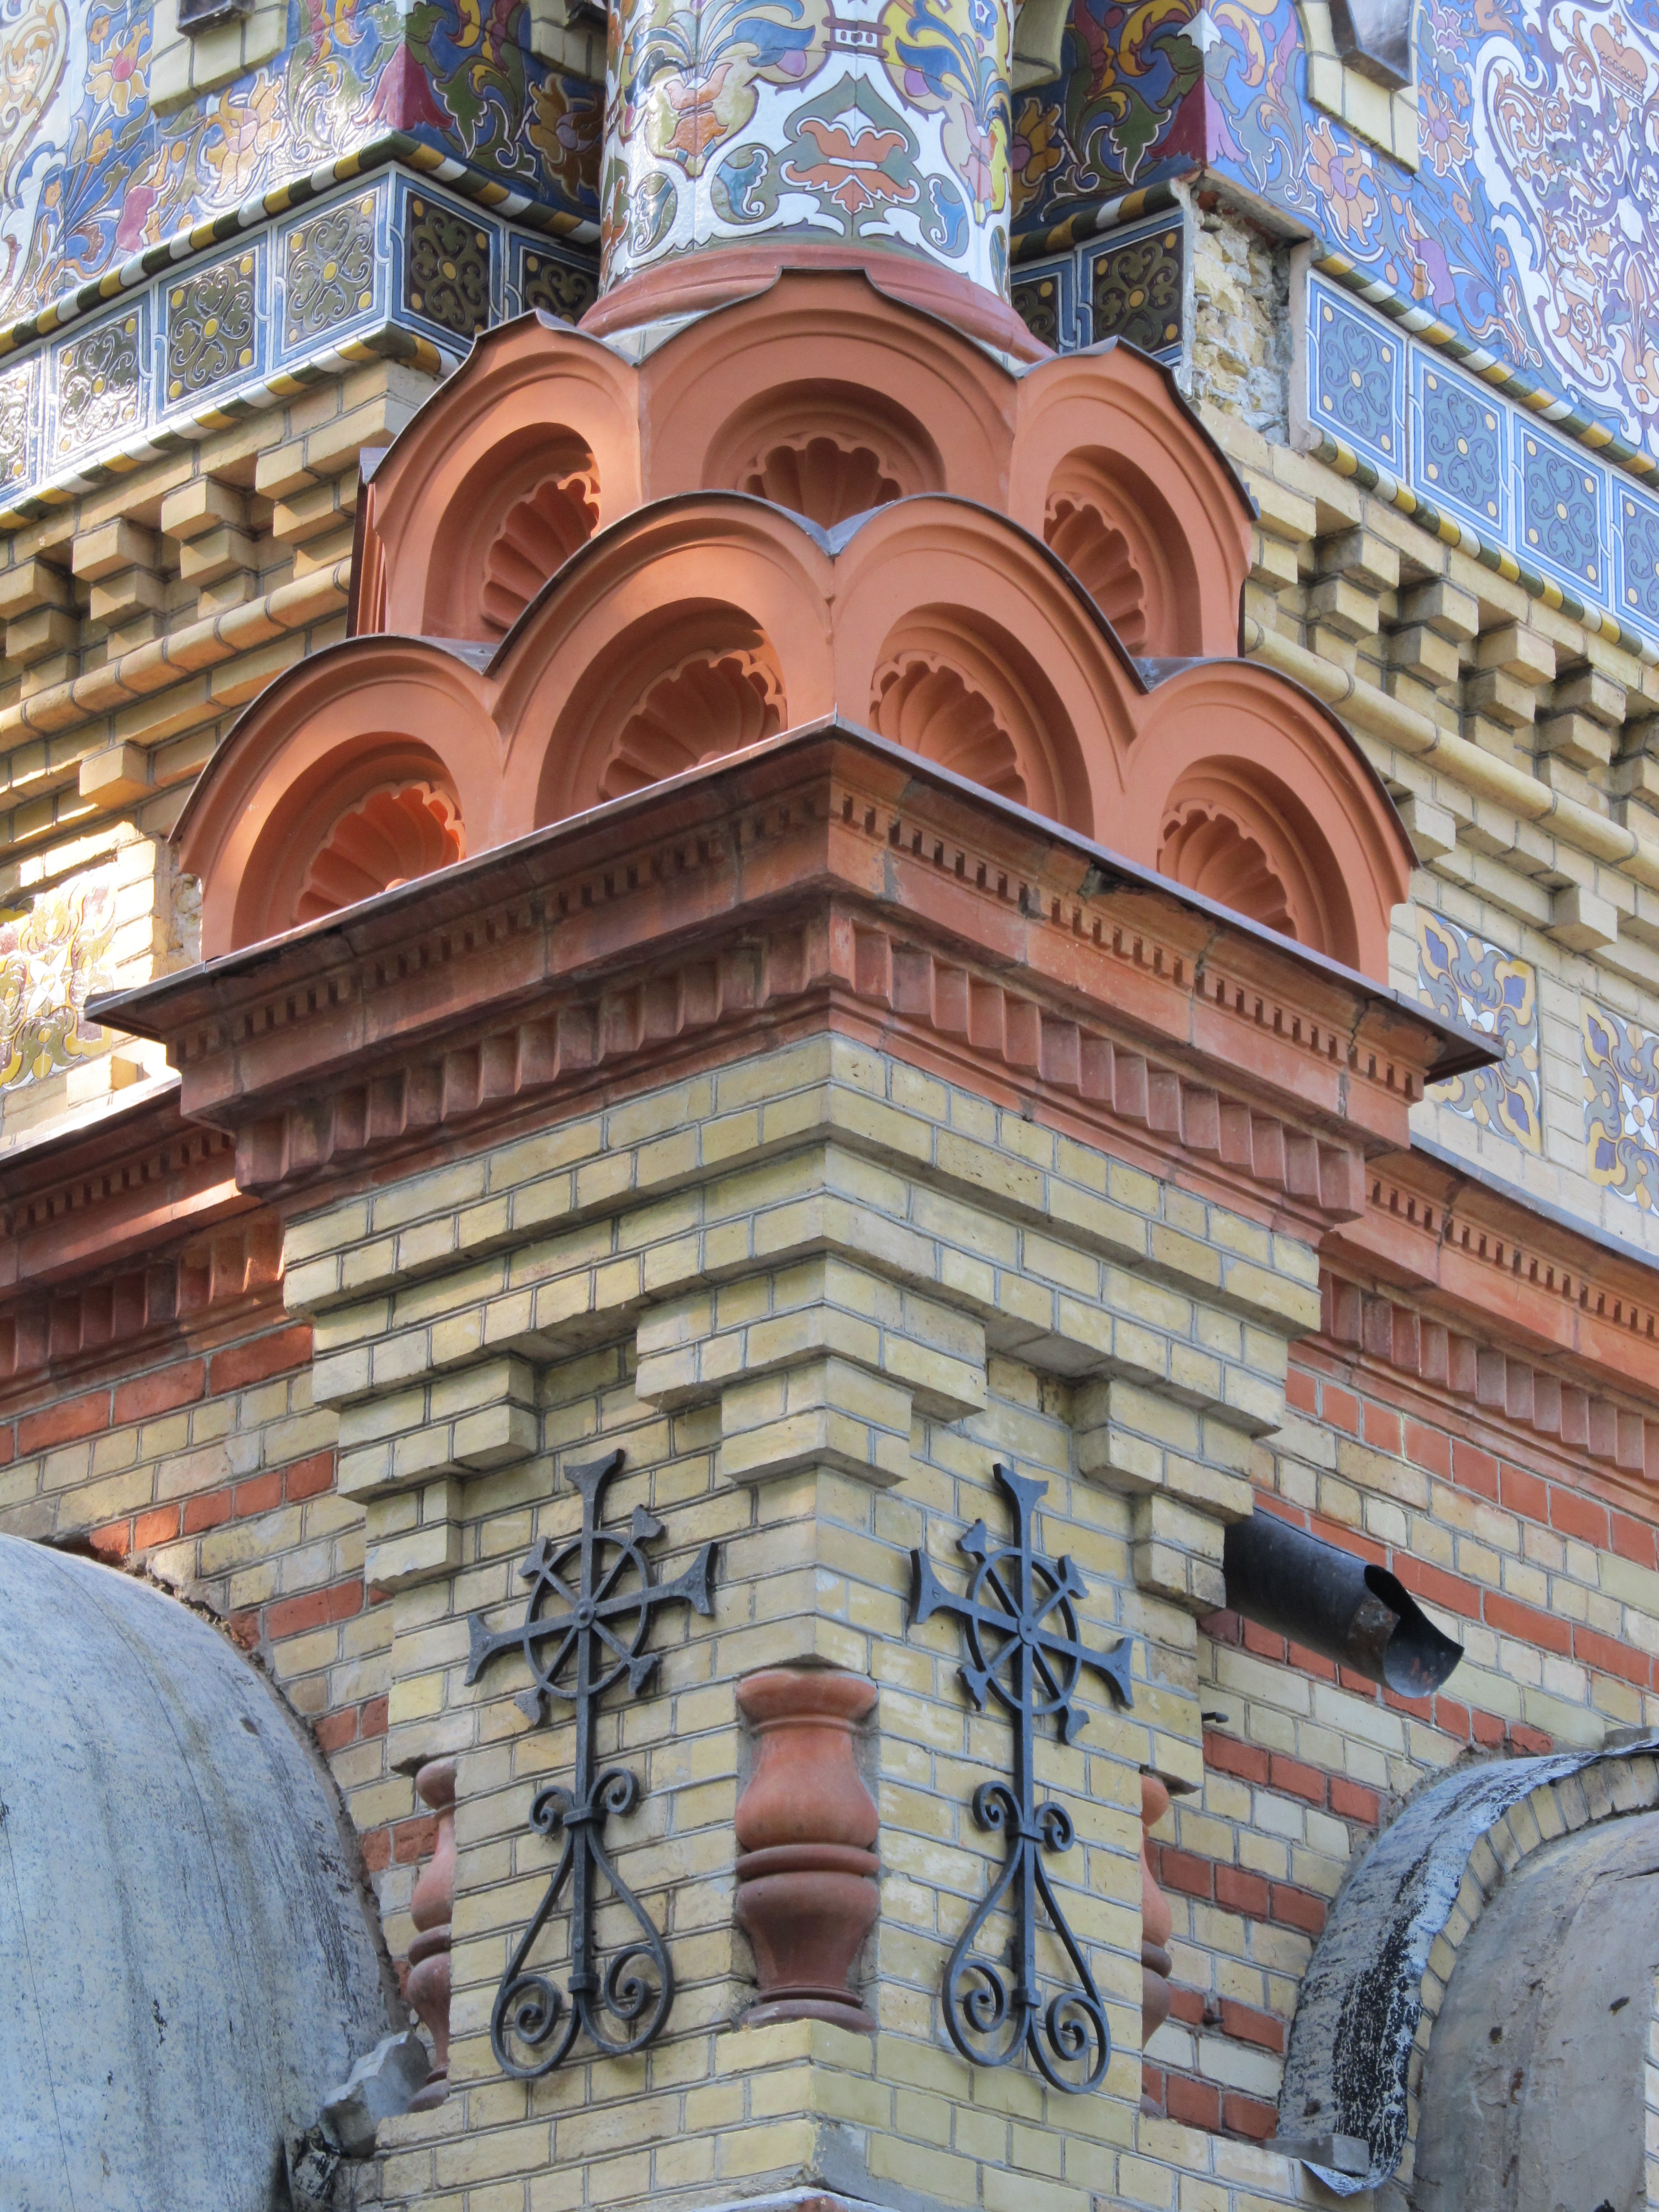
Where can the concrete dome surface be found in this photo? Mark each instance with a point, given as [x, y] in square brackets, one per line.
[187, 1963]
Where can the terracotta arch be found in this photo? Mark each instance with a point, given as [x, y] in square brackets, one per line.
[1235, 746]
[941, 578]
[940, 409]
[1105, 447]
[535, 404]
[373, 715]
[725, 597]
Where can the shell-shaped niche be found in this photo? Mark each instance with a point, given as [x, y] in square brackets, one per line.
[537, 535]
[1098, 555]
[826, 479]
[928, 707]
[386, 839]
[1204, 850]
[711, 704]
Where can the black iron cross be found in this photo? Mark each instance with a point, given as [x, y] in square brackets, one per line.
[1019, 1620]
[582, 1633]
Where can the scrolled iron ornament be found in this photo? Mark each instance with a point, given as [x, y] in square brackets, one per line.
[1018, 1617]
[581, 1633]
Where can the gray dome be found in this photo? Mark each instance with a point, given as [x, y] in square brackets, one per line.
[187, 1963]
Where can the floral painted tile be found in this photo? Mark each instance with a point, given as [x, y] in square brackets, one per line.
[52, 960]
[1356, 378]
[1496, 995]
[1621, 1105]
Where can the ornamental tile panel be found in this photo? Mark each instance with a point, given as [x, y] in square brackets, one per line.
[1621, 1106]
[1636, 561]
[53, 959]
[100, 385]
[1459, 459]
[560, 284]
[1560, 511]
[19, 427]
[1135, 286]
[1356, 378]
[1496, 995]
[332, 272]
[1527, 230]
[1044, 295]
[96, 175]
[214, 328]
[449, 266]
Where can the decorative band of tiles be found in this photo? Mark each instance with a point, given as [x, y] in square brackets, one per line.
[1128, 281]
[388, 266]
[392, 148]
[1482, 472]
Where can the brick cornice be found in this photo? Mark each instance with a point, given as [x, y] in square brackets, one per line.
[1482, 1260]
[127, 1184]
[825, 873]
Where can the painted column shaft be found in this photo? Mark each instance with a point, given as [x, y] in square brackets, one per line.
[870, 126]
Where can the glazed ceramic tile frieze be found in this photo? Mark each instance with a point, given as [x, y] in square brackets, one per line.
[882, 123]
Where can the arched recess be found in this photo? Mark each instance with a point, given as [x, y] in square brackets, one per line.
[1230, 757]
[516, 516]
[825, 448]
[826, 350]
[1242, 837]
[375, 757]
[1109, 522]
[694, 627]
[1386, 2050]
[508, 467]
[1111, 467]
[956, 634]
[971, 698]
[688, 684]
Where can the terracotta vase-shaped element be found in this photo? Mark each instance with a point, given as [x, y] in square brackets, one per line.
[806, 1889]
[1157, 1920]
[431, 1909]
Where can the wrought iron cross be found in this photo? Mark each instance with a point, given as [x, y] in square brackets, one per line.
[1019, 1622]
[581, 1633]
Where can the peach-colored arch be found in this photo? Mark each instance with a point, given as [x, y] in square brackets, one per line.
[355, 717]
[530, 391]
[832, 330]
[630, 606]
[954, 563]
[1112, 414]
[1224, 722]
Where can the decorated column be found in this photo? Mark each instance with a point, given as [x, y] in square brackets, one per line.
[744, 136]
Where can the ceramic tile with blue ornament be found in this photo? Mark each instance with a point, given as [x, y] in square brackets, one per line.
[20, 428]
[1133, 287]
[215, 327]
[1621, 1105]
[1636, 559]
[332, 271]
[450, 276]
[558, 279]
[98, 391]
[1356, 378]
[1044, 294]
[1459, 456]
[1495, 993]
[1561, 511]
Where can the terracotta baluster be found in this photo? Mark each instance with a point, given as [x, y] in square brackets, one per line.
[807, 1890]
[431, 1909]
[1157, 1920]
